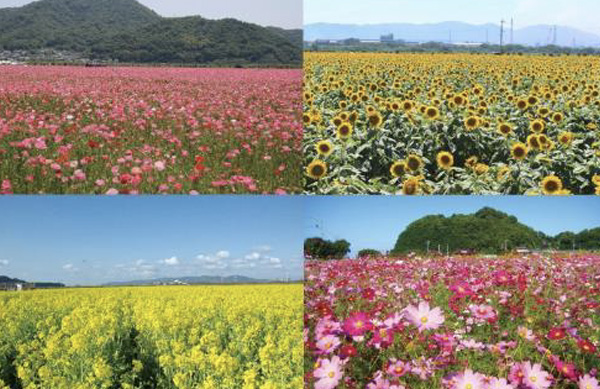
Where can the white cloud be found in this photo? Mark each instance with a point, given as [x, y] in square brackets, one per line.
[70, 267]
[252, 256]
[274, 260]
[264, 248]
[139, 262]
[4, 262]
[223, 254]
[173, 261]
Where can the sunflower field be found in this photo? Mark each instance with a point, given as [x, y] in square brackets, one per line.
[451, 124]
[153, 337]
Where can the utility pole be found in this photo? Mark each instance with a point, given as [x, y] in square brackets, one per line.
[554, 36]
[502, 33]
[512, 31]
[487, 37]
[447, 250]
[450, 36]
[428, 246]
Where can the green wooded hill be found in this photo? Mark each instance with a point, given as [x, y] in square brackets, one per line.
[486, 231]
[127, 31]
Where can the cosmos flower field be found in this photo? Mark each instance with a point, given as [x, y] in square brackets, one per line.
[451, 124]
[83, 130]
[242, 336]
[461, 323]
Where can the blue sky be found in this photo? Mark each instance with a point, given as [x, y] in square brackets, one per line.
[375, 222]
[582, 14]
[94, 240]
[281, 13]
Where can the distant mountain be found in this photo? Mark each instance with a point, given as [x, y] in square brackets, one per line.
[454, 31]
[127, 31]
[8, 280]
[193, 280]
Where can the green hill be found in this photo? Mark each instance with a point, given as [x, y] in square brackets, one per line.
[486, 231]
[127, 31]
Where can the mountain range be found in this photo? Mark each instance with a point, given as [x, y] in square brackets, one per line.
[193, 280]
[486, 231]
[453, 32]
[127, 31]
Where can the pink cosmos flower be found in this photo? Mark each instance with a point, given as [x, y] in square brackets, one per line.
[469, 380]
[588, 382]
[423, 317]
[398, 368]
[159, 165]
[328, 373]
[499, 383]
[482, 312]
[112, 192]
[534, 377]
[328, 344]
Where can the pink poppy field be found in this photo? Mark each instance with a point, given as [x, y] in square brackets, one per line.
[524, 322]
[76, 130]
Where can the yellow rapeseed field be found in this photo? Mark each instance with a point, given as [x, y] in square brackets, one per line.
[153, 337]
[451, 124]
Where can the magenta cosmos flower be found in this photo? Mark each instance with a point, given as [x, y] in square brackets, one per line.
[534, 377]
[423, 317]
[328, 373]
[357, 324]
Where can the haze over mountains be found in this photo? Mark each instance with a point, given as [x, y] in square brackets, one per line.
[455, 32]
[127, 31]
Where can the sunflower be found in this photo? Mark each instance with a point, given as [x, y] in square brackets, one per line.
[481, 168]
[306, 118]
[414, 162]
[502, 173]
[534, 142]
[532, 100]
[398, 169]
[432, 113]
[543, 111]
[551, 185]
[458, 100]
[408, 105]
[445, 160]
[471, 161]
[557, 117]
[375, 119]
[522, 104]
[472, 122]
[505, 128]
[316, 169]
[337, 121]
[410, 186]
[324, 148]
[596, 179]
[395, 106]
[344, 130]
[519, 151]
[565, 138]
[537, 126]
